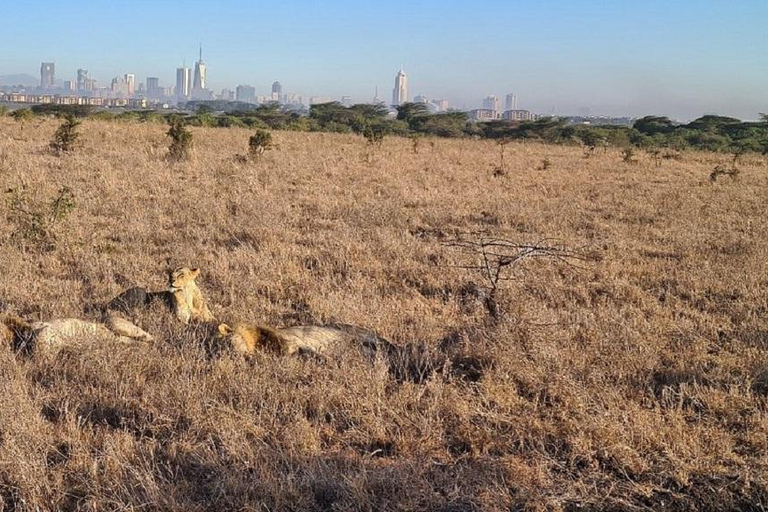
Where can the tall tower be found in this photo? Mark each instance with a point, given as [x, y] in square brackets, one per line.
[82, 80]
[153, 86]
[511, 102]
[200, 73]
[277, 92]
[400, 92]
[47, 75]
[183, 82]
[491, 103]
[130, 83]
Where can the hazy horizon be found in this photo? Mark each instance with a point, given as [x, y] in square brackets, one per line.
[681, 60]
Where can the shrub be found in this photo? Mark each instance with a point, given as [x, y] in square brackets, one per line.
[36, 223]
[628, 155]
[181, 140]
[374, 135]
[259, 142]
[65, 138]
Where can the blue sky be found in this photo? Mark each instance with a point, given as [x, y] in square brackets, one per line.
[680, 58]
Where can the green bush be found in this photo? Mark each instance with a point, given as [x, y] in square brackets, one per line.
[181, 140]
[66, 136]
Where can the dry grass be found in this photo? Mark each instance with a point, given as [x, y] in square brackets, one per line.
[636, 381]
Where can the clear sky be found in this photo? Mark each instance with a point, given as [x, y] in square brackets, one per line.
[680, 58]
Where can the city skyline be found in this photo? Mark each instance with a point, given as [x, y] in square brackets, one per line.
[617, 59]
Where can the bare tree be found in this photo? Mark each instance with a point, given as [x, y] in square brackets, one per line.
[497, 258]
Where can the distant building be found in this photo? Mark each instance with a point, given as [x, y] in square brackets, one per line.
[483, 114]
[492, 103]
[293, 100]
[47, 75]
[442, 105]
[130, 83]
[420, 99]
[511, 101]
[82, 80]
[245, 93]
[277, 91]
[119, 86]
[400, 92]
[69, 85]
[518, 115]
[153, 87]
[346, 101]
[183, 83]
[317, 100]
[200, 80]
[227, 95]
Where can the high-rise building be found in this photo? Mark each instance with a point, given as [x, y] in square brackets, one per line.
[153, 86]
[511, 102]
[492, 103]
[69, 85]
[442, 105]
[227, 95]
[400, 92]
[82, 80]
[277, 91]
[200, 73]
[183, 82]
[130, 83]
[245, 93]
[47, 75]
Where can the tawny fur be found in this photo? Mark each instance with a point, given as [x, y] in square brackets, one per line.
[188, 301]
[61, 332]
[14, 330]
[246, 339]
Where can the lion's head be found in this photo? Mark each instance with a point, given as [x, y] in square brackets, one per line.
[181, 277]
[239, 338]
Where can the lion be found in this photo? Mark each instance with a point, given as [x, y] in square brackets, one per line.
[188, 301]
[57, 333]
[138, 296]
[245, 338]
[67, 331]
[15, 331]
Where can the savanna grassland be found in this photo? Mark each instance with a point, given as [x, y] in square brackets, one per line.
[631, 377]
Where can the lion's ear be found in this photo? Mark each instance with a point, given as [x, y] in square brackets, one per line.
[224, 329]
[195, 272]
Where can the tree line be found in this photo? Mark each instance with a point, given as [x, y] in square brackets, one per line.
[710, 132]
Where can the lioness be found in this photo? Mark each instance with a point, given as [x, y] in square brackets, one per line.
[245, 338]
[67, 331]
[72, 331]
[188, 301]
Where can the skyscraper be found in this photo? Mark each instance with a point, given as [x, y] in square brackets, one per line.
[183, 82]
[82, 80]
[200, 73]
[47, 75]
[400, 92]
[511, 102]
[492, 103]
[245, 93]
[130, 83]
[277, 91]
[153, 86]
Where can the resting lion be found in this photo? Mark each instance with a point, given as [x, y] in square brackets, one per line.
[72, 331]
[188, 301]
[245, 338]
[56, 333]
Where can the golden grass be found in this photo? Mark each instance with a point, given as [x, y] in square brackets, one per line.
[638, 379]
